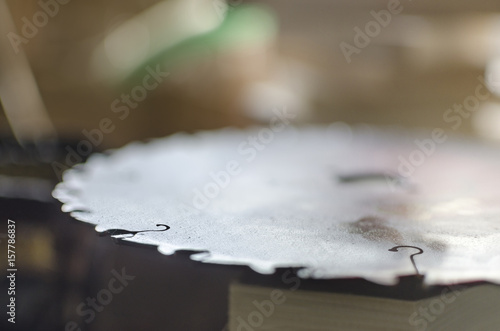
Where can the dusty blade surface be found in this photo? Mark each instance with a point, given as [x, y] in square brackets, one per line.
[329, 199]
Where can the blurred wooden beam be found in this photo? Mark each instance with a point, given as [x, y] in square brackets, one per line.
[19, 94]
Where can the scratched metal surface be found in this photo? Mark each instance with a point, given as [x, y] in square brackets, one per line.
[325, 198]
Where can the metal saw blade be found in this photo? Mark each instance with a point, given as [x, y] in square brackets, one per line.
[336, 201]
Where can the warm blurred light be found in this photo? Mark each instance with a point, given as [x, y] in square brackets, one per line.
[492, 75]
[289, 84]
[437, 41]
[476, 38]
[486, 121]
[127, 45]
[261, 98]
[162, 25]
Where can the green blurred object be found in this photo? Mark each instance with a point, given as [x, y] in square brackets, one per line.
[243, 26]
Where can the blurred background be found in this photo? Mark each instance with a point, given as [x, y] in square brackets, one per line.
[82, 77]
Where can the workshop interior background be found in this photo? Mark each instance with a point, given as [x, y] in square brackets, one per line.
[140, 69]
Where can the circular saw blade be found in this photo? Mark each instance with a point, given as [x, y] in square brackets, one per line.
[334, 201]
